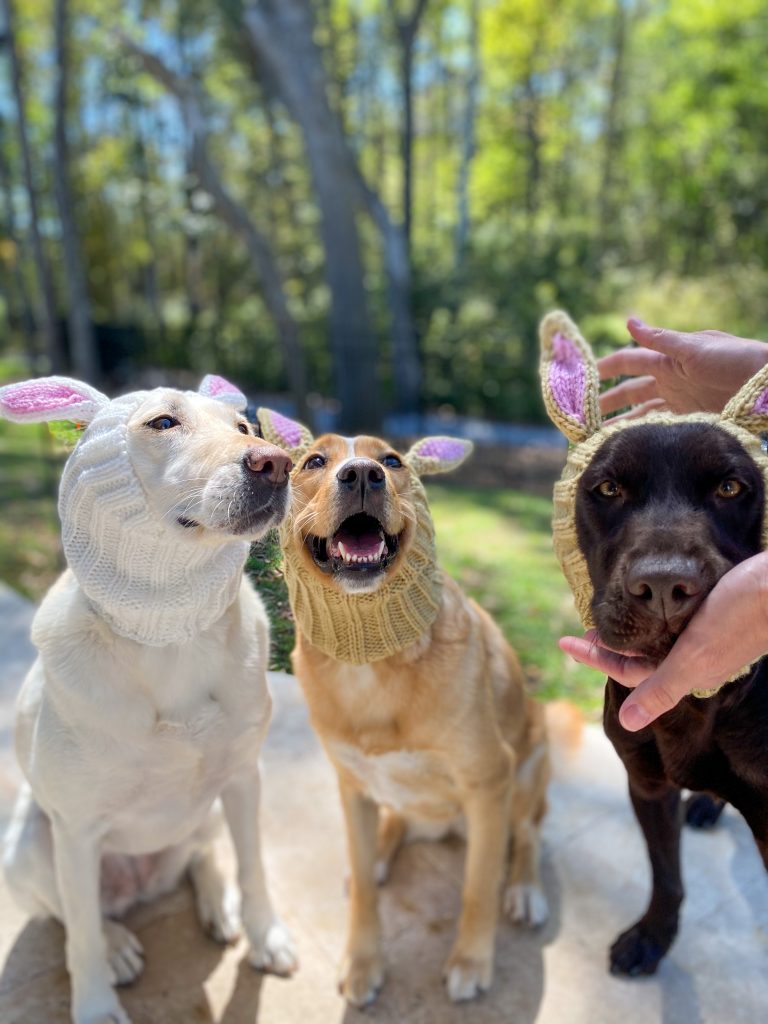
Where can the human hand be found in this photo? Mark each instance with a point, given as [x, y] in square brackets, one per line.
[728, 632]
[678, 371]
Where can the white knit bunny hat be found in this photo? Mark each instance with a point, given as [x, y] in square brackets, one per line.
[151, 581]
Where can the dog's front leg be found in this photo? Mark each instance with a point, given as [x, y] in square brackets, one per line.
[639, 949]
[362, 970]
[271, 944]
[469, 968]
[77, 859]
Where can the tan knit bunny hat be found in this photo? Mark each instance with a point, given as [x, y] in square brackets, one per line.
[366, 627]
[570, 385]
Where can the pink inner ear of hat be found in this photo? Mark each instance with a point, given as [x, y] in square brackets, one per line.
[220, 386]
[568, 377]
[39, 396]
[761, 405]
[288, 430]
[441, 448]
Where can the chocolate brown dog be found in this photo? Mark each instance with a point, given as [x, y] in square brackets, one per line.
[648, 516]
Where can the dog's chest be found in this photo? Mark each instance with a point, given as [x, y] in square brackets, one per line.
[410, 781]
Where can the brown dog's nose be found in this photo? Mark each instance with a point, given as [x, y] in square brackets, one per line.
[361, 474]
[666, 587]
[270, 463]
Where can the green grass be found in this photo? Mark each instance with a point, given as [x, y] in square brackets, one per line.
[498, 545]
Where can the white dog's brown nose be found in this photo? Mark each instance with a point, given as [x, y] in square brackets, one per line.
[270, 463]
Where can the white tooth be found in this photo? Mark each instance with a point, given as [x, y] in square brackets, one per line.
[342, 550]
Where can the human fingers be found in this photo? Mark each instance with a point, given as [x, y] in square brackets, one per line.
[659, 339]
[629, 392]
[727, 633]
[652, 405]
[626, 669]
[628, 362]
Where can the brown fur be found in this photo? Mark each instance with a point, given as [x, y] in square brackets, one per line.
[457, 697]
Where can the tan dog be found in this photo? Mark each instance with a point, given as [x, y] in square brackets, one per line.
[417, 698]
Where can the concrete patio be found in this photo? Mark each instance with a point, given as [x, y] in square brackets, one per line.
[595, 875]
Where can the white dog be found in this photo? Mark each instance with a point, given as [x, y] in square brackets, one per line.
[148, 701]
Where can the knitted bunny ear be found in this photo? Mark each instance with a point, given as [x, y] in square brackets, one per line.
[438, 455]
[217, 387]
[749, 406]
[569, 378]
[287, 434]
[51, 398]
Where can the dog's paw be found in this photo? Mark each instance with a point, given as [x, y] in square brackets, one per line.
[103, 1010]
[703, 811]
[124, 953]
[637, 952]
[275, 953]
[466, 977]
[526, 904]
[217, 912]
[361, 978]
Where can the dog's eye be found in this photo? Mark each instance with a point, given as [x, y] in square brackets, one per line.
[609, 489]
[315, 462]
[729, 489]
[391, 462]
[243, 428]
[163, 423]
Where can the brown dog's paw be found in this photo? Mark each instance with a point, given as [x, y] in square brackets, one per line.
[466, 977]
[703, 811]
[361, 978]
[526, 904]
[636, 951]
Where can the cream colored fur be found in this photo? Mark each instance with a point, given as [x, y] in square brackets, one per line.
[135, 756]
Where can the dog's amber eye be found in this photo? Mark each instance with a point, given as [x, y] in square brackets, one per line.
[729, 489]
[609, 489]
[243, 428]
[163, 423]
[391, 462]
[315, 462]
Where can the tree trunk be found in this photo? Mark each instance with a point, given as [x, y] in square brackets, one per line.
[20, 312]
[611, 130]
[82, 344]
[48, 316]
[468, 143]
[281, 35]
[238, 219]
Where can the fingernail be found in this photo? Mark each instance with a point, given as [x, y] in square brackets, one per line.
[635, 321]
[633, 717]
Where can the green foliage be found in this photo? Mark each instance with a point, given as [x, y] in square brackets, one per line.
[264, 568]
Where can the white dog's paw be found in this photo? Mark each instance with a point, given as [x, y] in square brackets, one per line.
[360, 979]
[467, 976]
[526, 904]
[103, 1010]
[217, 910]
[275, 952]
[124, 952]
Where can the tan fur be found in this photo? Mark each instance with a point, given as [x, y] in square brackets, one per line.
[445, 727]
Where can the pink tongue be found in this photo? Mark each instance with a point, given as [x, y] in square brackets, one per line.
[363, 545]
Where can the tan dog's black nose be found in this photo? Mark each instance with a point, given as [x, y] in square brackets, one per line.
[270, 463]
[361, 474]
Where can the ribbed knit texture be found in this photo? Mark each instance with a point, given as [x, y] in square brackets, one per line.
[361, 628]
[148, 579]
[747, 406]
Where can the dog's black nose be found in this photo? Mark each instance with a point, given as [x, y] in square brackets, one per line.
[362, 474]
[269, 463]
[666, 587]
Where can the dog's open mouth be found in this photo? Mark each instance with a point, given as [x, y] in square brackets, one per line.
[360, 545]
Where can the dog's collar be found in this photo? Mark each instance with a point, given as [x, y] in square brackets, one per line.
[147, 579]
[362, 628]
